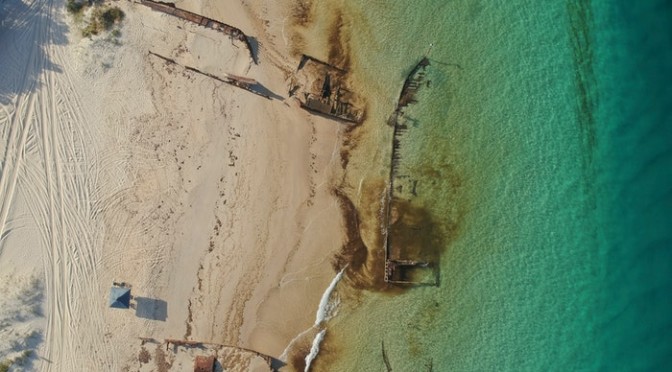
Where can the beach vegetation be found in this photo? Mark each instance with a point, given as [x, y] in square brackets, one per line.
[25, 355]
[102, 19]
[95, 17]
[75, 6]
[20, 360]
[111, 16]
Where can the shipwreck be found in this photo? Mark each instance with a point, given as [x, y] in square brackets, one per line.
[405, 251]
[232, 32]
[320, 88]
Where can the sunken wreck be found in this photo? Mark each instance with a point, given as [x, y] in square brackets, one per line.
[408, 258]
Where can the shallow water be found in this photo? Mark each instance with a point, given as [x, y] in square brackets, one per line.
[542, 154]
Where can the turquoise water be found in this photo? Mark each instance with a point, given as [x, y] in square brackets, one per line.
[543, 149]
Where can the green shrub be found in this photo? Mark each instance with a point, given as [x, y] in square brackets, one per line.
[74, 7]
[23, 357]
[91, 29]
[102, 19]
[111, 16]
[4, 366]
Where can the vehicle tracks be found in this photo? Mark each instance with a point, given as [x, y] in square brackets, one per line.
[50, 158]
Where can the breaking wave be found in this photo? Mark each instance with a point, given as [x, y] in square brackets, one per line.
[314, 349]
[327, 309]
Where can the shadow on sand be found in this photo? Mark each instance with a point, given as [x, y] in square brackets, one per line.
[151, 308]
[262, 90]
[26, 32]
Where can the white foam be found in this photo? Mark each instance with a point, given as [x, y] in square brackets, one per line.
[327, 308]
[285, 353]
[315, 348]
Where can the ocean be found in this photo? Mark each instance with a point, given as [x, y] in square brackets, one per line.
[541, 152]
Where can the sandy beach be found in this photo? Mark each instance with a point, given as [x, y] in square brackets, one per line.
[214, 204]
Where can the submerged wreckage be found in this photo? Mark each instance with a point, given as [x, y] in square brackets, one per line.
[407, 256]
[320, 88]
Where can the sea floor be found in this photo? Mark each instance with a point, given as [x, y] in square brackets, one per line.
[542, 174]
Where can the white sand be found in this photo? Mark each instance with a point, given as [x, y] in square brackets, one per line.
[118, 166]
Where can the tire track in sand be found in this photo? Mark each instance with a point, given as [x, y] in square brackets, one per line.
[20, 121]
[73, 175]
[60, 191]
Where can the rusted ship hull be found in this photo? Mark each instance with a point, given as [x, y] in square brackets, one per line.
[233, 32]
